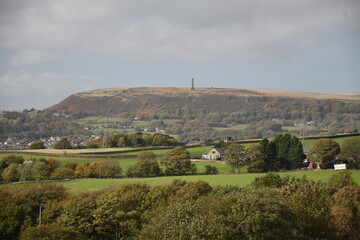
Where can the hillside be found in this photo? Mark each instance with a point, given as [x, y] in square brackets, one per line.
[161, 100]
[213, 112]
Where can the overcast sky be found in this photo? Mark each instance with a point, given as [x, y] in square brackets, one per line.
[51, 49]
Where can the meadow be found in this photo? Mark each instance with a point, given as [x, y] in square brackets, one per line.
[80, 185]
[242, 179]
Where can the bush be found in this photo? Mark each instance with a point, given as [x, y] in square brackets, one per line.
[37, 145]
[270, 180]
[63, 173]
[341, 179]
[211, 169]
[64, 143]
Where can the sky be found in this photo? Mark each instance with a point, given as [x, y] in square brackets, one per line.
[52, 49]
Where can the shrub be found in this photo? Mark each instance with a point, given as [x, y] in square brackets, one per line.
[211, 169]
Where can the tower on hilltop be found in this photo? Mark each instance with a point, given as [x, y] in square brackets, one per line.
[192, 84]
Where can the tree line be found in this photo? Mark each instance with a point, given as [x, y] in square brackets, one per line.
[271, 207]
[175, 162]
[285, 152]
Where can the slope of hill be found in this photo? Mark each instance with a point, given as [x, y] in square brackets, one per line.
[164, 100]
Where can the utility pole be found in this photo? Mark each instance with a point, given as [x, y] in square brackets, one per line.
[302, 125]
[40, 213]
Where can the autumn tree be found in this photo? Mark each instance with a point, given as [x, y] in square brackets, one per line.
[102, 169]
[83, 170]
[71, 165]
[324, 151]
[346, 212]
[177, 162]
[235, 156]
[63, 173]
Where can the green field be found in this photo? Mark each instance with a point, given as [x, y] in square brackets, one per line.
[213, 180]
[80, 185]
[310, 142]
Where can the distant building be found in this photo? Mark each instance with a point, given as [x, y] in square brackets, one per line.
[214, 154]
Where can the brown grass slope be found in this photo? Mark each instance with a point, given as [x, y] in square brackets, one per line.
[167, 100]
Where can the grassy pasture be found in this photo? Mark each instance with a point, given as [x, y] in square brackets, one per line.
[340, 140]
[81, 185]
[213, 180]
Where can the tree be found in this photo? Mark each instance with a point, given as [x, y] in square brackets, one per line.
[211, 169]
[235, 156]
[311, 203]
[289, 151]
[341, 179]
[9, 159]
[37, 145]
[102, 169]
[63, 173]
[345, 213]
[350, 149]
[50, 232]
[71, 165]
[269, 180]
[271, 161]
[118, 212]
[83, 170]
[191, 191]
[256, 212]
[324, 151]
[25, 170]
[177, 162]
[145, 166]
[40, 171]
[64, 143]
[11, 173]
[78, 214]
[256, 157]
[52, 164]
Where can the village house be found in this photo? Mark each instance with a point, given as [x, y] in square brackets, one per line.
[214, 154]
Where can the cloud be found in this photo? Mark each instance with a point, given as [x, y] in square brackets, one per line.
[160, 30]
[24, 90]
[27, 58]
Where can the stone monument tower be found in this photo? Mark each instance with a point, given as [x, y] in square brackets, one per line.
[192, 84]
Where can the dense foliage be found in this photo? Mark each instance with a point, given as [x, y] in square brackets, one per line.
[36, 124]
[195, 117]
[14, 168]
[270, 208]
[138, 139]
[324, 152]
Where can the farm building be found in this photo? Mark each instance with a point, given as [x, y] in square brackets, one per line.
[214, 154]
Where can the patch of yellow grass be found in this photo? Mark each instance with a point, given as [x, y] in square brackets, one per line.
[76, 151]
